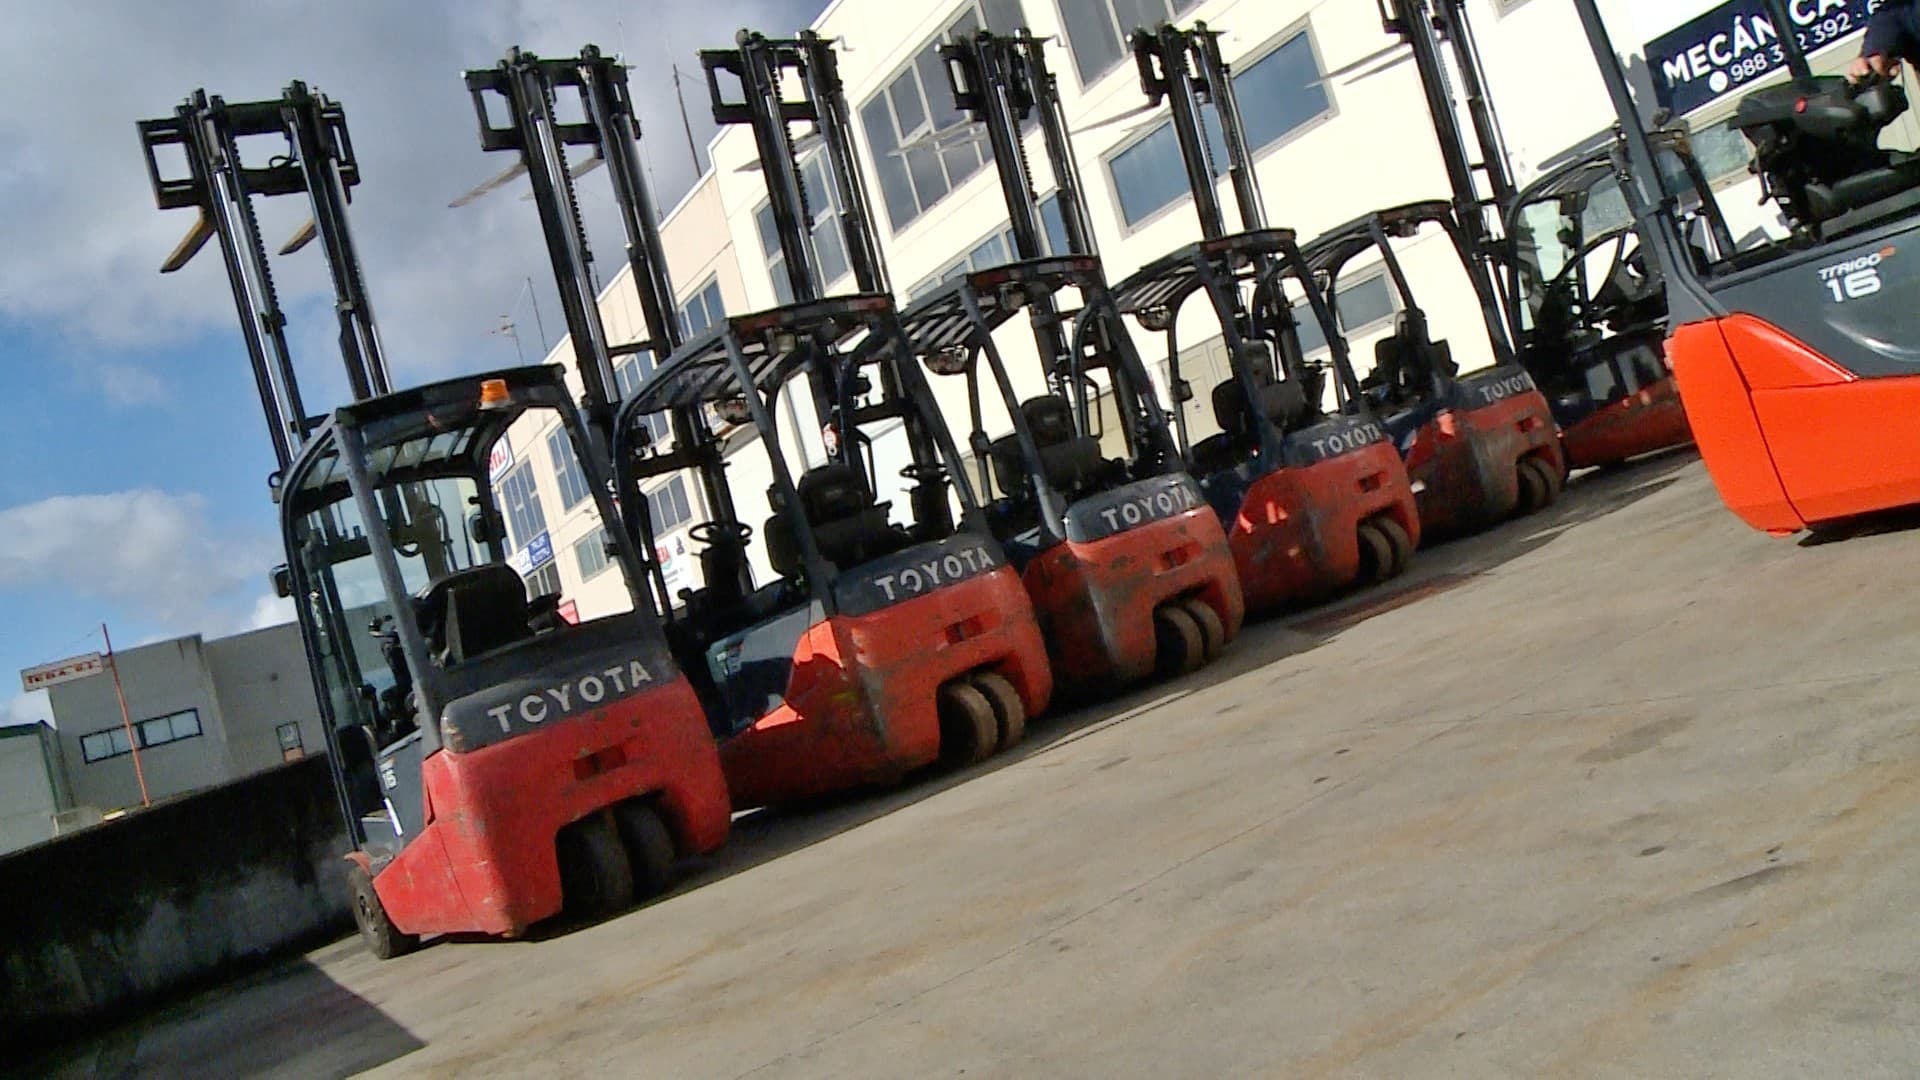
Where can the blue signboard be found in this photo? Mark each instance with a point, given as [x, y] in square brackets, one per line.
[1736, 43]
[540, 550]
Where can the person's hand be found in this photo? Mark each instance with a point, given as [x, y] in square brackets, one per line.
[1879, 64]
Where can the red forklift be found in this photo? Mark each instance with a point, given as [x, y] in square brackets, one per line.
[1314, 499]
[882, 640]
[1590, 315]
[1128, 568]
[1795, 355]
[1481, 447]
[494, 762]
[1590, 335]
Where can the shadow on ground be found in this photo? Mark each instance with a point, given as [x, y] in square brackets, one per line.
[290, 1020]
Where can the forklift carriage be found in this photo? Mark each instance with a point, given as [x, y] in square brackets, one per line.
[879, 648]
[493, 763]
[1795, 357]
[1127, 567]
[471, 725]
[1314, 501]
[1480, 447]
[1590, 318]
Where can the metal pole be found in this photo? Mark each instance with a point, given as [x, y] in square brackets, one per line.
[126, 718]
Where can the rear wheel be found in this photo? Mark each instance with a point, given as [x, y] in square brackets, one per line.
[1178, 637]
[596, 877]
[1009, 713]
[649, 845]
[968, 729]
[1401, 541]
[1213, 632]
[383, 939]
[1377, 554]
[1533, 488]
[1556, 483]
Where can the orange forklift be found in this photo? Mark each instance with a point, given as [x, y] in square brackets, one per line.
[1128, 569]
[494, 762]
[1314, 499]
[1795, 356]
[1588, 330]
[1481, 447]
[882, 640]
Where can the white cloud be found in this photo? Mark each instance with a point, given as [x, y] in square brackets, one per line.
[127, 386]
[85, 242]
[270, 610]
[149, 553]
[26, 709]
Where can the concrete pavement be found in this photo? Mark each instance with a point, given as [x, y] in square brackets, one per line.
[1628, 790]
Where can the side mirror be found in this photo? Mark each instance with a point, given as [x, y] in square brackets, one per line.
[480, 527]
[282, 579]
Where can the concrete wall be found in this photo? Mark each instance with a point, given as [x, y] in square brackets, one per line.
[104, 920]
[28, 799]
[159, 679]
[262, 682]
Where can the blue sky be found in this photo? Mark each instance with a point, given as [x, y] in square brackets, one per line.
[135, 456]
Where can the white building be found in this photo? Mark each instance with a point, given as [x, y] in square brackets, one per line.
[203, 713]
[1335, 115]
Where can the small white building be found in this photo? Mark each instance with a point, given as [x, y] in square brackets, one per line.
[31, 795]
[203, 713]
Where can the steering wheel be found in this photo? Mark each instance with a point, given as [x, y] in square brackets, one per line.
[721, 533]
[917, 472]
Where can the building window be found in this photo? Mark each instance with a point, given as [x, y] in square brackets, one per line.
[702, 310]
[823, 224]
[632, 372]
[998, 250]
[668, 508]
[566, 469]
[521, 500]
[922, 146]
[159, 731]
[1149, 175]
[1097, 30]
[590, 551]
[1359, 305]
[291, 747]
[544, 581]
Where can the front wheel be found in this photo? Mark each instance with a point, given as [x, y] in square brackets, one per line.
[596, 879]
[649, 846]
[383, 939]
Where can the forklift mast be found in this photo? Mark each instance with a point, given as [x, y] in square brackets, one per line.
[1002, 81]
[530, 87]
[1167, 59]
[611, 128]
[318, 161]
[761, 64]
[1425, 26]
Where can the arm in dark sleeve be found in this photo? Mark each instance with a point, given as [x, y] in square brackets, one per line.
[1894, 30]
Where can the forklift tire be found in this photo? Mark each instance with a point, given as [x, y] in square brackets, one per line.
[1182, 648]
[596, 878]
[968, 729]
[1533, 489]
[1556, 483]
[383, 939]
[1378, 556]
[1009, 713]
[1396, 535]
[1213, 632]
[650, 848]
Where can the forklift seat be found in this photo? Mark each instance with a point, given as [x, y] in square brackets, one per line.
[848, 525]
[1067, 458]
[1284, 404]
[473, 611]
